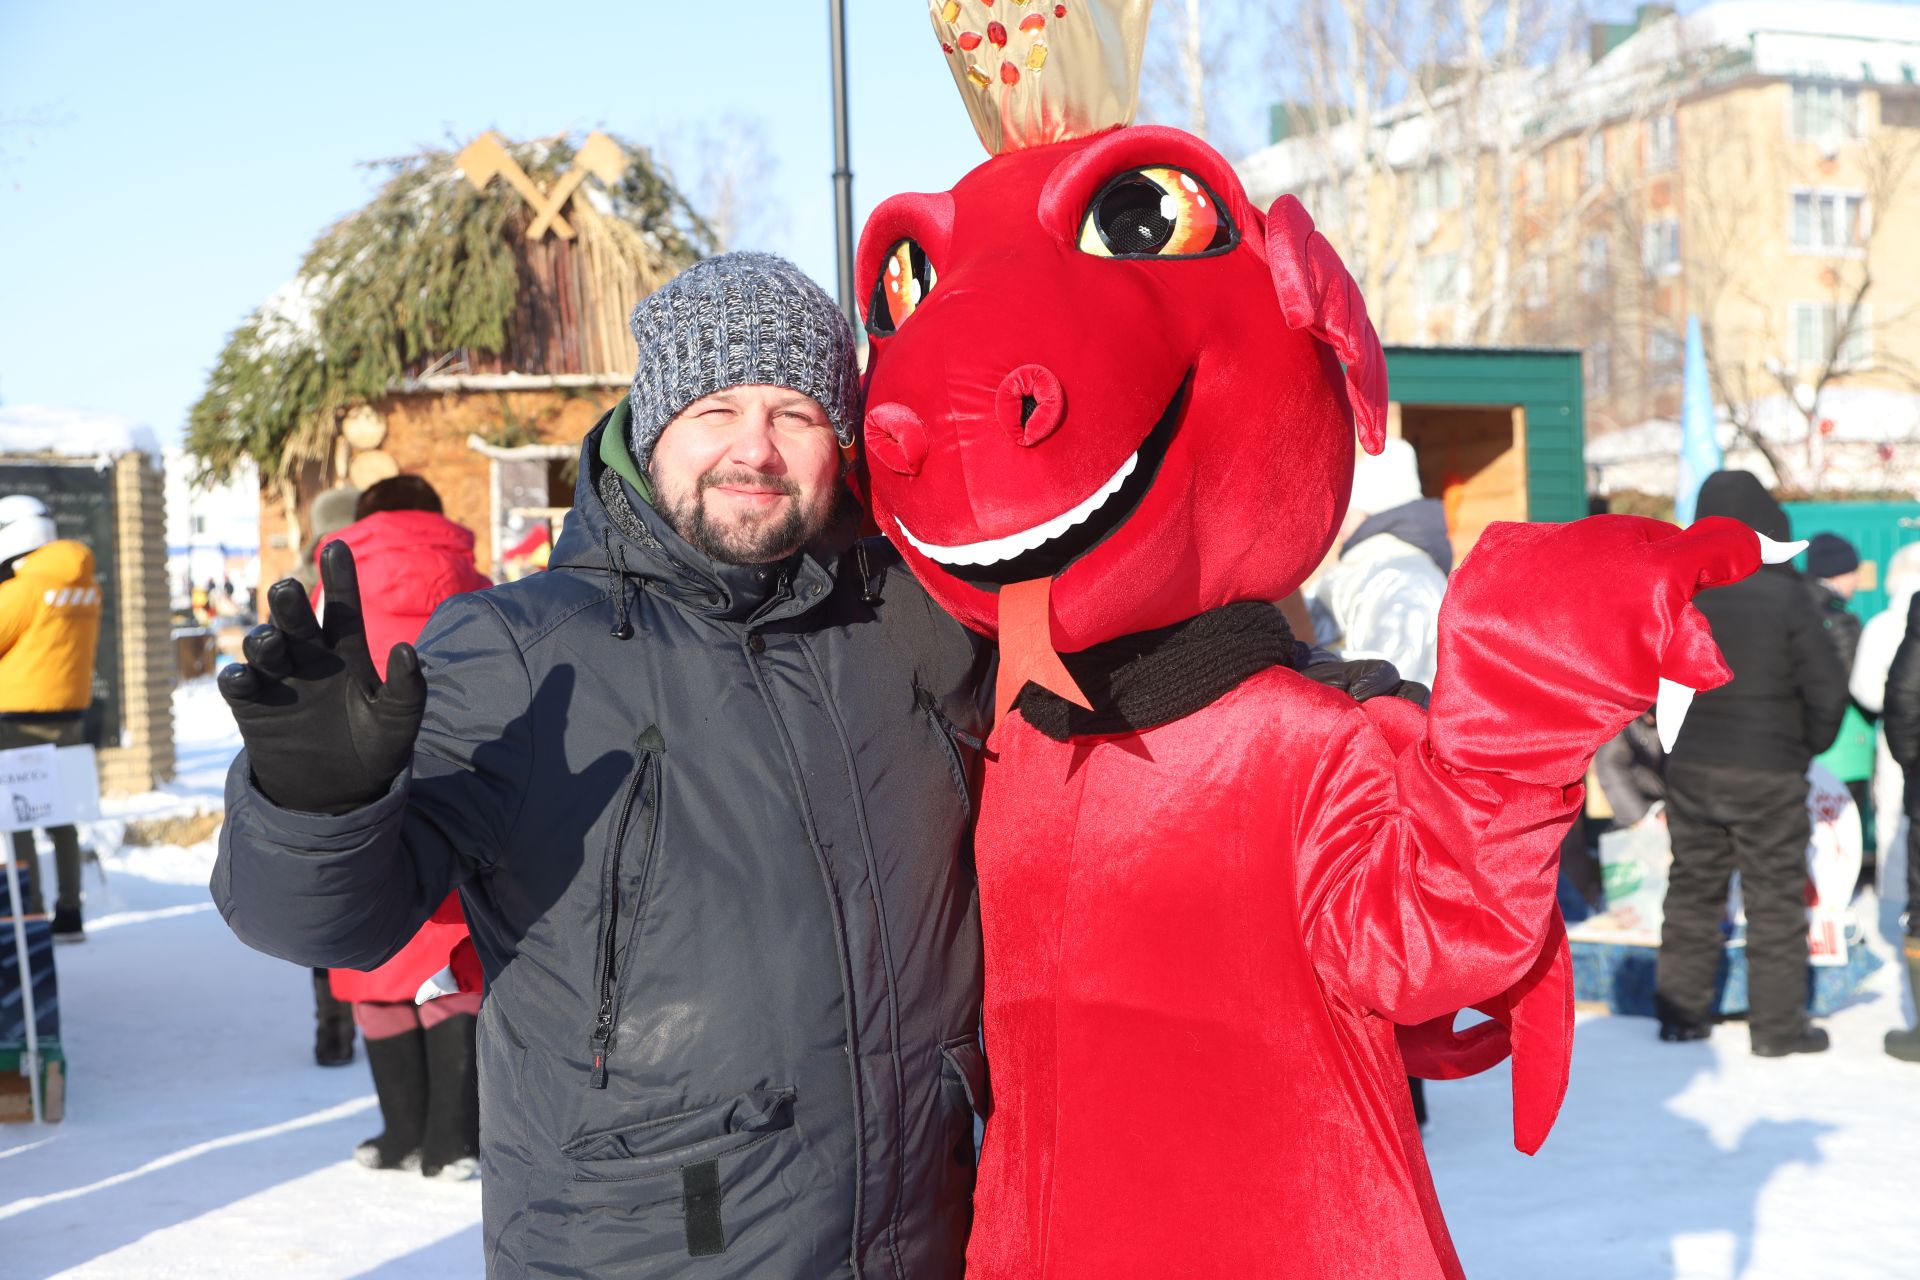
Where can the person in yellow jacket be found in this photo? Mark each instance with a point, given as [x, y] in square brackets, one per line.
[49, 629]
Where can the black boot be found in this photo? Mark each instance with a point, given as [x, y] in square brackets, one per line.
[451, 1148]
[400, 1079]
[332, 1025]
[1808, 1039]
[67, 926]
[1905, 1045]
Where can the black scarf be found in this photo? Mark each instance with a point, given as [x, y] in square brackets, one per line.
[1155, 677]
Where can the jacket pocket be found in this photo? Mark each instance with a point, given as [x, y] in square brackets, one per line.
[952, 739]
[644, 779]
[964, 1105]
[651, 1148]
[712, 1180]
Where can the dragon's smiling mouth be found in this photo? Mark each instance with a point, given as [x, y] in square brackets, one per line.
[1046, 549]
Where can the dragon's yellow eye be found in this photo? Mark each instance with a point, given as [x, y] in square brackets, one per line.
[1156, 212]
[906, 278]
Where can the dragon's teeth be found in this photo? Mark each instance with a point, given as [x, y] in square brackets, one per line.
[995, 550]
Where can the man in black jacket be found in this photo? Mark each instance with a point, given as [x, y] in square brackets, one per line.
[1737, 792]
[1901, 712]
[704, 787]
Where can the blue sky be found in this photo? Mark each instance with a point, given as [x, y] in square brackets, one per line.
[164, 167]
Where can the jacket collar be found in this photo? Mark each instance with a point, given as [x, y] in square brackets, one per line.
[613, 529]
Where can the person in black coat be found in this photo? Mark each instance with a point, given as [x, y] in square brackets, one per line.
[1901, 719]
[1737, 792]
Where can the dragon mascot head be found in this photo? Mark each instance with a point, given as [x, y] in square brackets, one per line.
[1023, 323]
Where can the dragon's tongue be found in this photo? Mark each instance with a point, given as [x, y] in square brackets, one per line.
[1026, 648]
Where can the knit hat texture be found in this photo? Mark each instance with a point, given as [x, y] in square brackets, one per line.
[734, 320]
[1829, 555]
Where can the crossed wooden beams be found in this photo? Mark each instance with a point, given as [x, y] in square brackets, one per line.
[487, 157]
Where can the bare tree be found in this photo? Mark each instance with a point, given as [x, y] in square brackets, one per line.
[728, 165]
[1753, 358]
[1191, 61]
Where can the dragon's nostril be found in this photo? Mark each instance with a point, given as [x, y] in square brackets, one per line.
[1031, 404]
[897, 438]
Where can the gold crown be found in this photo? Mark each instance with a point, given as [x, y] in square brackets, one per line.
[1040, 71]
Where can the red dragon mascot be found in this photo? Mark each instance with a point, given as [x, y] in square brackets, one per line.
[1112, 414]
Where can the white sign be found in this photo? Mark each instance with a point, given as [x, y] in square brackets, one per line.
[48, 786]
[1834, 854]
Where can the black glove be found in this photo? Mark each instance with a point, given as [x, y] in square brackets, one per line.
[1364, 679]
[323, 734]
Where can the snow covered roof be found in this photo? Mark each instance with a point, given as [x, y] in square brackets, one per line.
[1860, 415]
[72, 433]
[1871, 41]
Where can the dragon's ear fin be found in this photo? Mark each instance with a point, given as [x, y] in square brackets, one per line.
[1318, 294]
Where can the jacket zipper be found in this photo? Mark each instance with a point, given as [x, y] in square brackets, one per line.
[950, 736]
[643, 768]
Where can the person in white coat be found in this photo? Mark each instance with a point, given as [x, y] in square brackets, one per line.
[1879, 638]
[1383, 594]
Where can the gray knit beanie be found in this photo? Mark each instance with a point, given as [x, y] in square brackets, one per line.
[737, 319]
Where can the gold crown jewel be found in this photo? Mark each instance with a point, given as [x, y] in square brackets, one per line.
[1039, 71]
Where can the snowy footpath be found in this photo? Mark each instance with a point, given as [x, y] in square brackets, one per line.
[200, 1139]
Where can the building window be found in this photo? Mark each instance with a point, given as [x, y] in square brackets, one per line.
[1600, 368]
[1663, 358]
[1436, 186]
[1593, 264]
[1660, 143]
[1829, 221]
[1537, 180]
[199, 526]
[1660, 247]
[1825, 111]
[1816, 326]
[1900, 110]
[1435, 279]
[1596, 172]
[1533, 283]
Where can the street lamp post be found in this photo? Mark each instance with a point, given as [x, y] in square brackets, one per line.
[842, 172]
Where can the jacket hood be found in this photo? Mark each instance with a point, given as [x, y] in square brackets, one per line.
[1421, 523]
[1740, 495]
[613, 528]
[62, 562]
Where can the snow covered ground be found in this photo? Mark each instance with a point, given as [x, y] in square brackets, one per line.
[201, 1140]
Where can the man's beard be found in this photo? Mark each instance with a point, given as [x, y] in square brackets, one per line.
[749, 541]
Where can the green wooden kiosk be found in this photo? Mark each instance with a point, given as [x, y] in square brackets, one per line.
[1500, 432]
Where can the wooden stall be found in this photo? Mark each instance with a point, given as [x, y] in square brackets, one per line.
[469, 320]
[1498, 432]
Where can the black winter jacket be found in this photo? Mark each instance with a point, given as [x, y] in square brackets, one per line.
[719, 878]
[1789, 689]
[1843, 629]
[1901, 711]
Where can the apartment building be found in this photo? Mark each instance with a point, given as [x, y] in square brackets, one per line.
[1754, 163]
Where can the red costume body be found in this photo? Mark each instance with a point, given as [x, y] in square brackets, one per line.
[1108, 396]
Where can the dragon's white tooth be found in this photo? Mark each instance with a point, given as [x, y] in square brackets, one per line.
[1772, 552]
[1670, 711]
[995, 550]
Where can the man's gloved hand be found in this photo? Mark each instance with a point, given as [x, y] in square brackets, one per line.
[323, 733]
[1363, 679]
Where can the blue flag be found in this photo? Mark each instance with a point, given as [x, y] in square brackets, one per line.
[1699, 441]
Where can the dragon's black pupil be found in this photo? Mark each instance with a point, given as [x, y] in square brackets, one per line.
[1129, 217]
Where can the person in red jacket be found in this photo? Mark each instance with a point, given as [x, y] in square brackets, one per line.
[417, 1013]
